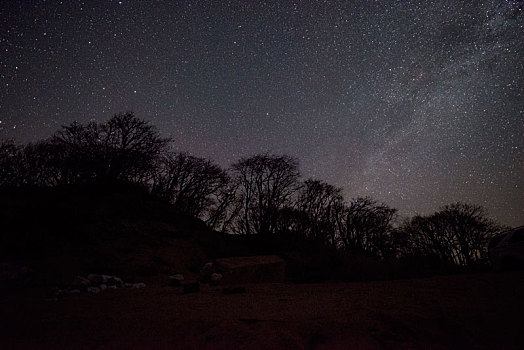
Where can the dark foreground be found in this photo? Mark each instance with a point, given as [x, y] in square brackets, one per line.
[481, 311]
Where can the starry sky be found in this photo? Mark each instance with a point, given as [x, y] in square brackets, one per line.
[415, 103]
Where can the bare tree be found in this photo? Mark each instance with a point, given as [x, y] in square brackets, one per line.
[457, 234]
[319, 202]
[9, 158]
[266, 185]
[124, 148]
[131, 145]
[366, 225]
[225, 209]
[194, 185]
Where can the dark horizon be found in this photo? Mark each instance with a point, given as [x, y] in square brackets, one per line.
[415, 104]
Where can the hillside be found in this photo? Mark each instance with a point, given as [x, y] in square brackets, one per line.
[58, 233]
[50, 235]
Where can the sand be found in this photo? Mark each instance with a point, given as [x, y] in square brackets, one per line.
[480, 311]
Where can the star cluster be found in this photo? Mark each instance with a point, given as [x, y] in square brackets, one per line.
[415, 103]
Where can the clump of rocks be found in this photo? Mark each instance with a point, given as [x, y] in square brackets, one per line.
[209, 274]
[94, 284]
[176, 280]
[187, 286]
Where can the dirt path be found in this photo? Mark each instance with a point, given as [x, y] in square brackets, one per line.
[468, 311]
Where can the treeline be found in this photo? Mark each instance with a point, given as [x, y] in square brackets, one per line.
[259, 195]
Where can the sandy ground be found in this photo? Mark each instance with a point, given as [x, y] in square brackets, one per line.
[480, 311]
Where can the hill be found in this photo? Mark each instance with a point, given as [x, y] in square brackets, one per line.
[61, 232]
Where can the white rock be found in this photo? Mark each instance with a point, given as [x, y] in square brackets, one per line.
[207, 268]
[94, 290]
[215, 278]
[115, 281]
[176, 280]
[95, 279]
[105, 278]
[81, 282]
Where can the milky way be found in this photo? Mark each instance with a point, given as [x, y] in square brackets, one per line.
[417, 104]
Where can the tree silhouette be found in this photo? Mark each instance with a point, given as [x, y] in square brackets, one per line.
[367, 226]
[457, 234]
[225, 209]
[9, 163]
[266, 184]
[125, 149]
[192, 184]
[262, 194]
[318, 201]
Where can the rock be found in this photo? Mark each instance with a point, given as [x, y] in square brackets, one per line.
[215, 278]
[206, 271]
[138, 285]
[93, 290]
[176, 280]
[112, 287]
[103, 287]
[81, 283]
[95, 280]
[191, 287]
[58, 293]
[74, 291]
[114, 281]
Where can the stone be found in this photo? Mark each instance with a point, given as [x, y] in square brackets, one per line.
[95, 280]
[114, 281]
[206, 271]
[58, 293]
[138, 285]
[74, 291]
[176, 280]
[81, 283]
[191, 287]
[93, 290]
[103, 287]
[215, 278]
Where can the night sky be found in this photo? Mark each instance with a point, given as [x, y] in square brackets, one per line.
[417, 104]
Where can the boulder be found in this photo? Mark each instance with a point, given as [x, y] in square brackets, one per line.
[93, 290]
[206, 271]
[58, 293]
[176, 280]
[215, 278]
[114, 281]
[95, 280]
[81, 283]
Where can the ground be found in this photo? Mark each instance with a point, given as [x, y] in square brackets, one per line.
[481, 311]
